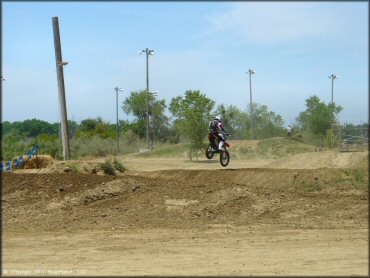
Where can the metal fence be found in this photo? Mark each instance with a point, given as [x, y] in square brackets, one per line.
[349, 138]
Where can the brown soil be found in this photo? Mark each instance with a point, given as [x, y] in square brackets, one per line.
[251, 221]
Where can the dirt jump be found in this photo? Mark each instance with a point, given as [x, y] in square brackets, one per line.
[302, 214]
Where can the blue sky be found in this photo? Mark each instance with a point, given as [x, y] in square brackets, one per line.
[206, 46]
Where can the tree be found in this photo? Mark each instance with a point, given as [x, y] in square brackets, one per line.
[318, 116]
[72, 128]
[266, 124]
[6, 127]
[136, 105]
[91, 127]
[235, 121]
[192, 115]
[30, 128]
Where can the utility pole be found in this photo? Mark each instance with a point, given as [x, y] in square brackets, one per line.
[152, 95]
[147, 96]
[61, 90]
[332, 77]
[117, 130]
[251, 71]
[147, 52]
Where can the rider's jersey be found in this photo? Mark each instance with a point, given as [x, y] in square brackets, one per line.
[216, 127]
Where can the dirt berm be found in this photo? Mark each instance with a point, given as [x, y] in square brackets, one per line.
[320, 198]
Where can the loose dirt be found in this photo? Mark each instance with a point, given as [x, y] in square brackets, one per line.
[172, 217]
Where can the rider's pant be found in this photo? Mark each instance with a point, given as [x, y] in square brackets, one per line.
[222, 141]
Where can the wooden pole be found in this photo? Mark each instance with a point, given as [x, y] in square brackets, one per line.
[37, 159]
[61, 90]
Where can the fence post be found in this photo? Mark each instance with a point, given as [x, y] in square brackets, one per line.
[37, 159]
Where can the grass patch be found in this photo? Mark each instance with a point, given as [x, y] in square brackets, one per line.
[309, 186]
[306, 181]
[73, 167]
[281, 147]
[361, 173]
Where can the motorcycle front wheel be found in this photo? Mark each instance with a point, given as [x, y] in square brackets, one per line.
[224, 158]
[209, 153]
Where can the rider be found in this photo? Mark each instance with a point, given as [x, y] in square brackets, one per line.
[217, 129]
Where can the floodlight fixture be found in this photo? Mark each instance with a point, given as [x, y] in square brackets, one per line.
[63, 63]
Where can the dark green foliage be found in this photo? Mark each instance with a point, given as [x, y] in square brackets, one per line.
[266, 124]
[192, 115]
[108, 168]
[30, 128]
[50, 144]
[96, 127]
[235, 121]
[136, 105]
[118, 165]
[72, 128]
[13, 146]
[318, 116]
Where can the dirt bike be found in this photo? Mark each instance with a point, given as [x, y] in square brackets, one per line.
[212, 148]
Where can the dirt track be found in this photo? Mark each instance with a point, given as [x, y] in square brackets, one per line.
[254, 221]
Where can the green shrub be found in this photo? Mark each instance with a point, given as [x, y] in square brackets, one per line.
[108, 168]
[118, 165]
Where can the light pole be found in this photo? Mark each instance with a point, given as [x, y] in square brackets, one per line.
[155, 93]
[251, 71]
[147, 52]
[117, 90]
[332, 77]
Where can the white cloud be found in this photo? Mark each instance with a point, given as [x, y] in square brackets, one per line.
[267, 22]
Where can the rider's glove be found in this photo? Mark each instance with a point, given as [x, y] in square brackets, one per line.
[227, 134]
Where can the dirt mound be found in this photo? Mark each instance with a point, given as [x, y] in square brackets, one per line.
[314, 160]
[269, 148]
[184, 198]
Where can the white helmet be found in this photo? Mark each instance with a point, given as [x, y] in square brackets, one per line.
[219, 118]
